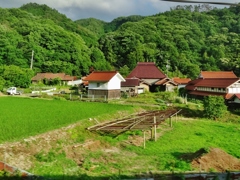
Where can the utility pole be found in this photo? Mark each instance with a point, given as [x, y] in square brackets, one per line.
[167, 67]
[31, 66]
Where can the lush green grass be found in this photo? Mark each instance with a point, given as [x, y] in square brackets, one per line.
[186, 137]
[190, 136]
[23, 117]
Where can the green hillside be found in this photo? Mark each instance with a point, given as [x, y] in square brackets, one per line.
[187, 38]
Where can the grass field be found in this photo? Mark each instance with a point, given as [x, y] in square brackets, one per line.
[114, 155]
[107, 156]
[23, 117]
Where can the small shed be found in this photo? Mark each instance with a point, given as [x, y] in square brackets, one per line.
[133, 86]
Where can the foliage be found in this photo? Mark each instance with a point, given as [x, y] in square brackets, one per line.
[181, 42]
[2, 83]
[113, 155]
[214, 107]
[15, 76]
[50, 156]
[38, 116]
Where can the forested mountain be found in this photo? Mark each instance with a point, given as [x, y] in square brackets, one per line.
[187, 38]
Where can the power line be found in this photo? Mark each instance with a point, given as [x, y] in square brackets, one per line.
[207, 2]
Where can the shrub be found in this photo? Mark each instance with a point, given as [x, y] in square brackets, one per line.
[214, 107]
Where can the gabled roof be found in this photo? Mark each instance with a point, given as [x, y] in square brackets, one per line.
[62, 76]
[102, 76]
[214, 83]
[217, 74]
[191, 84]
[165, 81]
[146, 70]
[218, 83]
[232, 96]
[130, 82]
[181, 80]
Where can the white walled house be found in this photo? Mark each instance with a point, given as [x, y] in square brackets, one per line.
[219, 83]
[105, 83]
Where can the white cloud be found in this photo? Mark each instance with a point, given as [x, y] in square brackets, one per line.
[102, 9]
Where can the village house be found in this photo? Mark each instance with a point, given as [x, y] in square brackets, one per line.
[181, 82]
[64, 79]
[105, 83]
[150, 78]
[216, 83]
[133, 86]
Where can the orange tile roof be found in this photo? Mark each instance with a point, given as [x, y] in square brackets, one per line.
[217, 74]
[229, 96]
[100, 76]
[181, 80]
[146, 70]
[62, 76]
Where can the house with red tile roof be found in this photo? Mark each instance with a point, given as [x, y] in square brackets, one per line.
[151, 77]
[217, 74]
[219, 83]
[181, 82]
[167, 83]
[105, 83]
[133, 86]
[65, 79]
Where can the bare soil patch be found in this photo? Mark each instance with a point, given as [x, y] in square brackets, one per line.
[213, 160]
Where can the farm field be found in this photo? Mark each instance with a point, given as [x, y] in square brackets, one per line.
[66, 150]
[24, 117]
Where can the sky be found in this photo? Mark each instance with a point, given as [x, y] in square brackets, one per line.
[105, 10]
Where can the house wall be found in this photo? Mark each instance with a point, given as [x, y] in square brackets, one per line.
[233, 90]
[98, 85]
[109, 94]
[114, 83]
[236, 100]
[170, 87]
[136, 89]
[210, 89]
[145, 86]
[76, 82]
[181, 86]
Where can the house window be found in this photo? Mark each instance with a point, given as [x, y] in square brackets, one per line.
[212, 89]
[98, 84]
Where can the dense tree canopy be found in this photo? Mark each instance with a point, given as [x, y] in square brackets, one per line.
[186, 38]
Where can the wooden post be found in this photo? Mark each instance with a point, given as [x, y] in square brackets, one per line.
[152, 133]
[144, 140]
[155, 129]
